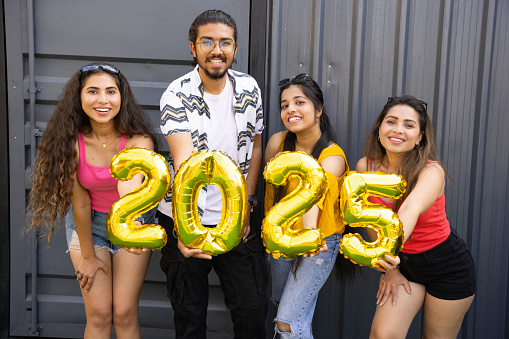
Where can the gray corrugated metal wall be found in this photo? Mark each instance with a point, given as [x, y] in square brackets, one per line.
[451, 54]
[148, 42]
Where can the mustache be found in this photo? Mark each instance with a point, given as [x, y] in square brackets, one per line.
[221, 57]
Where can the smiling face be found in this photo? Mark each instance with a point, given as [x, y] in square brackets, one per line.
[100, 98]
[214, 64]
[297, 111]
[400, 131]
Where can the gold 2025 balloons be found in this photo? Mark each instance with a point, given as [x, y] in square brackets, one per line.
[204, 168]
[278, 236]
[124, 166]
[359, 212]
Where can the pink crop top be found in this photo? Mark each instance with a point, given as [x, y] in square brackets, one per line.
[101, 186]
[432, 227]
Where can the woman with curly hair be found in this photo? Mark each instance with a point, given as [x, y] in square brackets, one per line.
[436, 270]
[96, 117]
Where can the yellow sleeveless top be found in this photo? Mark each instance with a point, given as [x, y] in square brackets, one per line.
[329, 219]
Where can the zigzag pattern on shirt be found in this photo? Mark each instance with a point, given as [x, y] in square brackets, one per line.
[259, 114]
[194, 103]
[177, 114]
[244, 100]
[244, 166]
[200, 141]
[249, 133]
[176, 131]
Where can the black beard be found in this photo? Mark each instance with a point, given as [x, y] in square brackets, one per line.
[214, 76]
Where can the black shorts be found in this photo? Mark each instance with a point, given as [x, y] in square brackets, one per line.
[447, 270]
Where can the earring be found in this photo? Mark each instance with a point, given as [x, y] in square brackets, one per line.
[317, 120]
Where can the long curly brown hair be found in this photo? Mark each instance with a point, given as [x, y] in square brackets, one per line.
[414, 160]
[54, 165]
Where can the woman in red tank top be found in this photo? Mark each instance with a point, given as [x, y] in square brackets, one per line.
[436, 270]
[96, 117]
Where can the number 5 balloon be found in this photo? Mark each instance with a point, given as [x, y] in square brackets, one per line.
[358, 212]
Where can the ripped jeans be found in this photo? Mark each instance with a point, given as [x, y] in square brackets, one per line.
[297, 295]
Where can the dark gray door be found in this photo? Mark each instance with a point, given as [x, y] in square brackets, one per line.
[147, 40]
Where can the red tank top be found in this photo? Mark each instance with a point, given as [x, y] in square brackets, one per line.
[432, 227]
[101, 186]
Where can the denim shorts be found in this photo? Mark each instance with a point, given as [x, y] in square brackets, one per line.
[99, 235]
[447, 270]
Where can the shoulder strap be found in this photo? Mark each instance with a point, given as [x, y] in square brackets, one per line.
[81, 147]
[282, 142]
[122, 142]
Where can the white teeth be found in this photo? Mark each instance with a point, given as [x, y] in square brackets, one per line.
[294, 119]
[396, 139]
[102, 110]
[216, 61]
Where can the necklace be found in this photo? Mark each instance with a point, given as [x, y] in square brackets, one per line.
[105, 142]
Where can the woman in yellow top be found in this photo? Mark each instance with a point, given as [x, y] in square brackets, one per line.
[296, 283]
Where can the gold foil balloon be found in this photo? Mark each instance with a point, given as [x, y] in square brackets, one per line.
[359, 212]
[278, 236]
[205, 168]
[124, 166]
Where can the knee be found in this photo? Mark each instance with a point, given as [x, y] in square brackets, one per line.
[377, 332]
[100, 318]
[125, 316]
[283, 327]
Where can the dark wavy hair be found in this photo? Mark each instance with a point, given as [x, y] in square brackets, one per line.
[54, 165]
[211, 16]
[347, 269]
[415, 160]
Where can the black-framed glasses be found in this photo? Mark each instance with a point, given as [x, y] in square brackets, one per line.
[298, 78]
[424, 103]
[110, 68]
[226, 46]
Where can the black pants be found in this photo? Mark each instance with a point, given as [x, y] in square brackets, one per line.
[243, 276]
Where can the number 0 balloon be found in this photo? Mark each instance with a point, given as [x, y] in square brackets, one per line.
[277, 233]
[124, 166]
[204, 168]
[358, 212]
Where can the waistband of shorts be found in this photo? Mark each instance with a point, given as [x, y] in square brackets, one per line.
[424, 256]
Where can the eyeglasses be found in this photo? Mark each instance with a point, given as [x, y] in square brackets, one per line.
[424, 103]
[226, 46]
[298, 78]
[87, 68]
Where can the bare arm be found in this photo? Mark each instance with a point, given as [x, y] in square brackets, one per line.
[428, 189]
[252, 177]
[89, 262]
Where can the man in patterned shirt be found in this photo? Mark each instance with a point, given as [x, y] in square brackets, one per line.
[214, 108]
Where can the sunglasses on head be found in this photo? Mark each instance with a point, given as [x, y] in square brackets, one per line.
[110, 68]
[297, 78]
[424, 103]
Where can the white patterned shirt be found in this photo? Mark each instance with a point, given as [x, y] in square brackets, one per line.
[183, 110]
